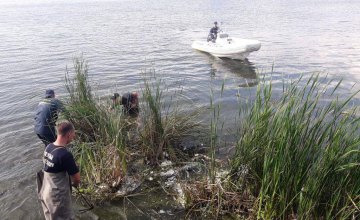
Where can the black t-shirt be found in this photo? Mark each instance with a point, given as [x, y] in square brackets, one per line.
[58, 159]
[214, 30]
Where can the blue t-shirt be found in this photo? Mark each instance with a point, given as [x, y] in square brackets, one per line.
[58, 159]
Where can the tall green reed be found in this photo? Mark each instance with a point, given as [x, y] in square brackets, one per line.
[166, 119]
[100, 149]
[299, 157]
[215, 124]
[215, 110]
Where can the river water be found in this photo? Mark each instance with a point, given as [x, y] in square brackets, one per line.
[121, 39]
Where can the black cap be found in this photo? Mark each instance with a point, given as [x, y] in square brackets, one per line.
[49, 93]
[215, 22]
[115, 96]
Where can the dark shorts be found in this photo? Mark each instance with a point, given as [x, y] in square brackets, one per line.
[47, 139]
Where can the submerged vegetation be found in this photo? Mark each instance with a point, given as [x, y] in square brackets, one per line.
[297, 156]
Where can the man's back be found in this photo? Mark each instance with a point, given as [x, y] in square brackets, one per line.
[58, 159]
[46, 116]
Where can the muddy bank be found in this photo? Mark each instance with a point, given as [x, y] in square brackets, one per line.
[148, 192]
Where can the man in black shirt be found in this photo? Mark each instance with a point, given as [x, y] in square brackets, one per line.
[46, 116]
[213, 33]
[59, 164]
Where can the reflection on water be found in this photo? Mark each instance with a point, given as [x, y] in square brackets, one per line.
[242, 68]
[249, 83]
[239, 68]
[243, 71]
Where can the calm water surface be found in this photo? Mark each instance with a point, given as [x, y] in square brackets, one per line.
[120, 39]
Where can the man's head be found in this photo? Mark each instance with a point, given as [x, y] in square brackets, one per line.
[65, 131]
[134, 98]
[49, 93]
[115, 98]
[215, 23]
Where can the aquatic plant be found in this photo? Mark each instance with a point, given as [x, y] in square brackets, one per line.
[299, 155]
[100, 146]
[209, 197]
[165, 124]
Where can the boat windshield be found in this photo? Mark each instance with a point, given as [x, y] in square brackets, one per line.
[224, 35]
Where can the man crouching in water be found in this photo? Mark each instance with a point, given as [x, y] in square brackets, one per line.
[59, 164]
[129, 102]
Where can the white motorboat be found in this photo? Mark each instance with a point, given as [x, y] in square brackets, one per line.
[230, 47]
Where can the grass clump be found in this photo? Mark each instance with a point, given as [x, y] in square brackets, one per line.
[165, 124]
[100, 150]
[105, 137]
[297, 157]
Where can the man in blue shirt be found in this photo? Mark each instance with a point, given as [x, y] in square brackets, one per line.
[46, 116]
[59, 164]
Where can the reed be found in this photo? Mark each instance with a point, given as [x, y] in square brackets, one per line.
[100, 147]
[165, 120]
[300, 158]
[208, 197]
[215, 125]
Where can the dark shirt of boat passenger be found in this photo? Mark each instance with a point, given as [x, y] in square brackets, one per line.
[214, 30]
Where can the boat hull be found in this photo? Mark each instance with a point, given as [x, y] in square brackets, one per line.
[237, 48]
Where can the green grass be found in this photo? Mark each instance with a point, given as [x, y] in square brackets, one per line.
[101, 143]
[165, 124]
[105, 137]
[299, 157]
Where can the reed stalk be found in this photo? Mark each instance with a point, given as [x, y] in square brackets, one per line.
[165, 124]
[100, 147]
[298, 157]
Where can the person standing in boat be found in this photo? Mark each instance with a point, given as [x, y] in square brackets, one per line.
[46, 116]
[213, 32]
[59, 165]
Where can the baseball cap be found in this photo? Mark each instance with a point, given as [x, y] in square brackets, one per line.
[49, 93]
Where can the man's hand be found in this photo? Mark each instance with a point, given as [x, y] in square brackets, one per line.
[75, 179]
